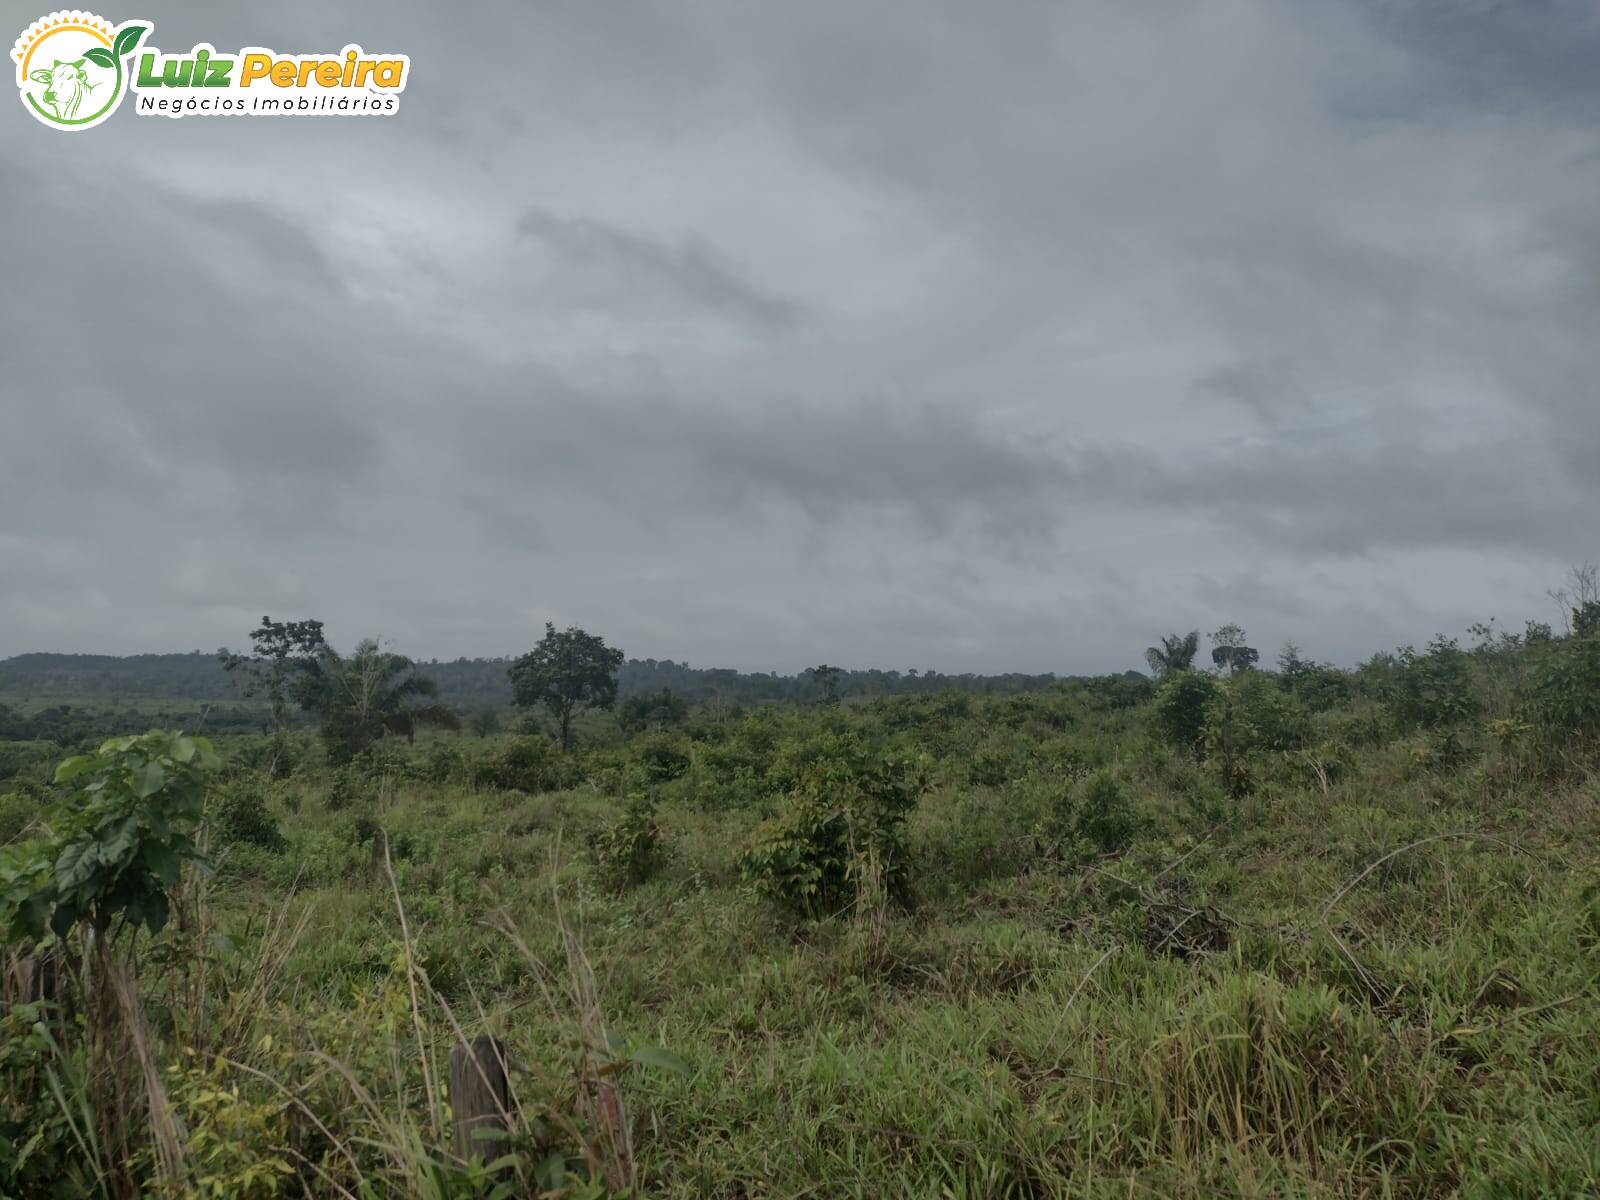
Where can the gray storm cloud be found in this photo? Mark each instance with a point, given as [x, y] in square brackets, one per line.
[997, 337]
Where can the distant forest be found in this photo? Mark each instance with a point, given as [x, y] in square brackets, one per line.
[469, 683]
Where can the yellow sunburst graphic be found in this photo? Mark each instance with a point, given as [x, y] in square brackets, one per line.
[47, 27]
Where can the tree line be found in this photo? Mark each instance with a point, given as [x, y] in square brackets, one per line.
[477, 683]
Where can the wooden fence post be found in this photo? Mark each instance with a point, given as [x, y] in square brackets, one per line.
[45, 986]
[480, 1095]
[32, 978]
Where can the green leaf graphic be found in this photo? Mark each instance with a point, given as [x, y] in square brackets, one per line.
[127, 39]
[100, 56]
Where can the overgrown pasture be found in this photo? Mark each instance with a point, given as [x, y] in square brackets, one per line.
[1306, 933]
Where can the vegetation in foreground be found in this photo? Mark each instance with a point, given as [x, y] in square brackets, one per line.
[1300, 932]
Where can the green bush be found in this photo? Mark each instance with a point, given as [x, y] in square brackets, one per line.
[530, 764]
[661, 759]
[277, 755]
[1586, 620]
[345, 787]
[729, 774]
[843, 811]
[118, 842]
[39, 1155]
[1365, 726]
[1278, 720]
[1564, 690]
[630, 848]
[239, 813]
[1251, 715]
[443, 763]
[27, 759]
[1115, 692]
[1105, 819]
[1180, 707]
[1432, 690]
[991, 766]
[18, 810]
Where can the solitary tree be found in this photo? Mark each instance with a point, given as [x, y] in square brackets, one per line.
[1176, 653]
[373, 692]
[567, 672]
[1228, 650]
[281, 651]
[1293, 668]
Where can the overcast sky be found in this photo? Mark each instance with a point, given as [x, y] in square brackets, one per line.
[937, 334]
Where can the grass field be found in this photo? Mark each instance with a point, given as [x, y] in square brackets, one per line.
[1084, 962]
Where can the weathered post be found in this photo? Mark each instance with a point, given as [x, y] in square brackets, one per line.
[32, 978]
[480, 1095]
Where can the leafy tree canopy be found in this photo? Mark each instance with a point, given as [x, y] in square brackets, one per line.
[372, 692]
[1176, 653]
[567, 672]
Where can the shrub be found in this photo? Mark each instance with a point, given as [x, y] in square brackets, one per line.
[443, 763]
[239, 813]
[662, 759]
[1278, 720]
[1251, 715]
[529, 764]
[1086, 821]
[1564, 691]
[18, 810]
[991, 766]
[385, 759]
[1114, 692]
[1105, 819]
[232, 1139]
[276, 754]
[1433, 689]
[118, 844]
[26, 759]
[729, 775]
[1366, 726]
[630, 848]
[1229, 737]
[843, 813]
[39, 1155]
[1586, 619]
[1180, 707]
[345, 786]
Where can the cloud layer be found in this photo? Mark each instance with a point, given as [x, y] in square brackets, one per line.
[975, 338]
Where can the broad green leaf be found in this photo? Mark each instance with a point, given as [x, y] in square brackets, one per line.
[121, 842]
[100, 56]
[73, 767]
[155, 912]
[64, 918]
[148, 779]
[162, 862]
[76, 864]
[659, 1057]
[551, 1172]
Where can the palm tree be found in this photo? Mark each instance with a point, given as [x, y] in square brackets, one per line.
[371, 693]
[1176, 653]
